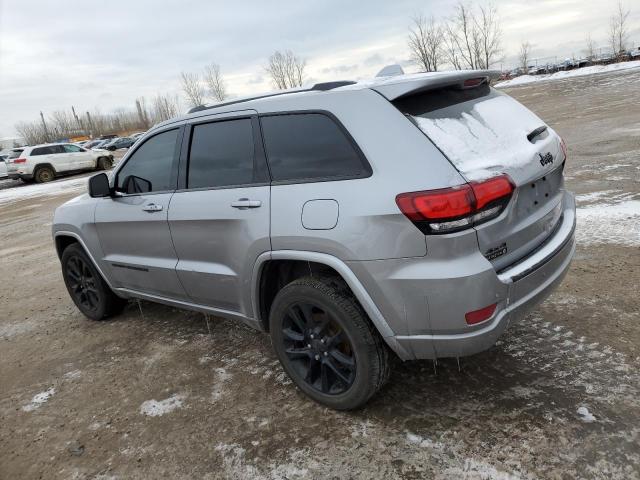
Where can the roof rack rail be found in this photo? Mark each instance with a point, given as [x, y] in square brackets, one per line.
[324, 86]
[243, 100]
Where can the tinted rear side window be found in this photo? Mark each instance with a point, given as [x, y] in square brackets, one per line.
[309, 146]
[42, 151]
[222, 154]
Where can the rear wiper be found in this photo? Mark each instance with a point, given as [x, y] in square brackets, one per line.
[538, 131]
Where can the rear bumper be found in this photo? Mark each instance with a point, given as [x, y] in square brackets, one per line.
[434, 308]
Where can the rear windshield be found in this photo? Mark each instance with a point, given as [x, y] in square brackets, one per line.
[477, 128]
[14, 154]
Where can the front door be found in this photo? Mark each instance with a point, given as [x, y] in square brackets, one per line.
[132, 226]
[78, 158]
[219, 219]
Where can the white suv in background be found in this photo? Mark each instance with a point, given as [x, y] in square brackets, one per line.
[43, 163]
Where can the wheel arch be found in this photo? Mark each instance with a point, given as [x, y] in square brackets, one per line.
[293, 264]
[41, 165]
[65, 238]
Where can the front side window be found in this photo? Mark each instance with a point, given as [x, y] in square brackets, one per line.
[72, 149]
[221, 154]
[150, 168]
[309, 146]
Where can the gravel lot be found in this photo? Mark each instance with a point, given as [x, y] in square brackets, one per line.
[157, 395]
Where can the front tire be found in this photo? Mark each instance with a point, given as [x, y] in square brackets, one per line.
[104, 163]
[85, 285]
[44, 174]
[327, 344]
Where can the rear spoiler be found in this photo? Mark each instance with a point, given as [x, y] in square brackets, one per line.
[399, 87]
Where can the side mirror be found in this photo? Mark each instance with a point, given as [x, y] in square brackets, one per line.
[99, 186]
[133, 184]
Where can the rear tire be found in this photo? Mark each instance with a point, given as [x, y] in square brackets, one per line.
[44, 174]
[85, 285]
[327, 344]
[104, 163]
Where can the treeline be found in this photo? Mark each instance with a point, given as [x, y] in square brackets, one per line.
[470, 38]
[63, 124]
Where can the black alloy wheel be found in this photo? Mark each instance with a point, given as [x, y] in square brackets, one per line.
[318, 349]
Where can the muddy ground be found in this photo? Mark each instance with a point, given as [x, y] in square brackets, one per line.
[158, 394]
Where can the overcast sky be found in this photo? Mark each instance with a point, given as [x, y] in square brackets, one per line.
[54, 54]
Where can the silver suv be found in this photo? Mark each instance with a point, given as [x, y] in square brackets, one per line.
[416, 215]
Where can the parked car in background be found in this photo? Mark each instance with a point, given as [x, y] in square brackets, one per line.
[117, 143]
[101, 144]
[634, 53]
[137, 135]
[43, 163]
[91, 143]
[3, 165]
[415, 215]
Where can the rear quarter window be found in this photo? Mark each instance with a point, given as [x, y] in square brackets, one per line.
[308, 146]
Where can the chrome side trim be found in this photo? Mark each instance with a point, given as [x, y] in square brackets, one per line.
[548, 251]
[191, 306]
[64, 233]
[339, 266]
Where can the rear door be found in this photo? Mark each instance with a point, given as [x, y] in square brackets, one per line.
[133, 228]
[484, 133]
[60, 159]
[219, 218]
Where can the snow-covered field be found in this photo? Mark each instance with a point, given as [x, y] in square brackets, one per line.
[580, 72]
[58, 187]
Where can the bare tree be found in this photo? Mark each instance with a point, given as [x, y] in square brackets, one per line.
[489, 33]
[524, 56]
[590, 50]
[463, 35]
[215, 82]
[425, 43]
[192, 88]
[450, 48]
[286, 69]
[143, 116]
[164, 107]
[619, 29]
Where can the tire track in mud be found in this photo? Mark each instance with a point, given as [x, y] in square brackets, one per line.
[521, 410]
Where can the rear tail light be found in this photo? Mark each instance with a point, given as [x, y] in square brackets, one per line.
[474, 82]
[19, 160]
[481, 315]
[452, 209]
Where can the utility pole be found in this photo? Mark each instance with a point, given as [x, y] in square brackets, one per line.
[78, 121]
[90, 123]
[44, 126]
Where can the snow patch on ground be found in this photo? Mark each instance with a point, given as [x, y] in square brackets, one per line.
[585, 415]
[73, 374]
[155, 408]
[38, 400]
[580, 72]
[58, 187]
[12, 329]
[609, 224]
[221, 377]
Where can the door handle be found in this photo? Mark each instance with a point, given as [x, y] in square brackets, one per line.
[243, 203]
[152, 207]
